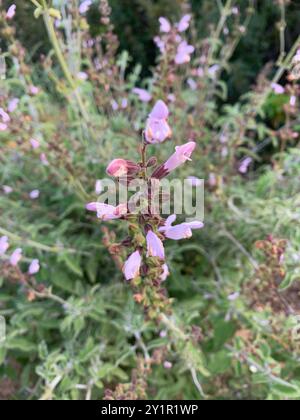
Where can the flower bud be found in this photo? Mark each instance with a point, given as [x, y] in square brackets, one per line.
[120, 168]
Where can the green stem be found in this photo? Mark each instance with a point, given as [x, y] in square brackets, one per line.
[55, 43]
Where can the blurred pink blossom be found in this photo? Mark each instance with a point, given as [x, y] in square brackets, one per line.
[33, 90]
[16, 257]
[184, 23]
[124, 103]
[157, 127]
[278, 89]
[13, 104]
[34, 267]
[34, 195]
[293, 100]
[82, 75]
[168, 365]
[84, 7]
[35, 144]
[160, 44]
[132, 266]
[11, 12]
[166, 273]
[184, 52]
[165, 25]
[192, 84]
[7, 190]
[4, 115]
[4, 245]
[114, 105]
[143, 94]
[3, 127]
[244, 166]
[44, 159]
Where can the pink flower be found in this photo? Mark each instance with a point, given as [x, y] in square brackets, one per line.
[143, 94]
[124, 103]
[3, 127]
[34, 267]
[44, 159]
[107, 212]
[4, 245]
[212, 180]
[16, 257]
[132, 266]
[184, 52]
[165, 25]
[114, 105]
[84, 7]
[182, 231]
[11, 12]
[244, 166]
[33, 90]
[165, 273]
[155, 247]
[4, 115]
[168, 365]
[213, 70]
[13, 104]
[7, 190]
[184, 24]
[35, 144]
[182, 154]
[82, 76]
[157, 128]
[160, 44]
[278, 89]
[192, 84]
[33, 195]
[293, 100]
[119, 168]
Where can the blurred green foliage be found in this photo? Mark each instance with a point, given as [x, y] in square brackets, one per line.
[136, 23]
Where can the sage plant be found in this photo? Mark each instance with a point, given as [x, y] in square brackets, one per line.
[146, 266]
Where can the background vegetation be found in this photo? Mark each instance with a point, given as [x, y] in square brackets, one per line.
[74, 331]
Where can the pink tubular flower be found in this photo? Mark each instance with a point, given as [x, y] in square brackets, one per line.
[16, 257]
[165, 273]
[244, 166]
[33, 195]
[82, 75]
[160, 44]
[165, 25]
[181, 155]
[155, 247]
[4, 245]
[107, 212]
[182, 231]
[157, 128]
[13, 104]
[143, 94]
[184, 23]
[184, 53]
[7, 190]
[11, 12]
[4, 115]
[35, 144]
[132, 266]
[34, 267]
[84, 7]
[43, 159]
[34, 90]
[119, 168]
[277, 89]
